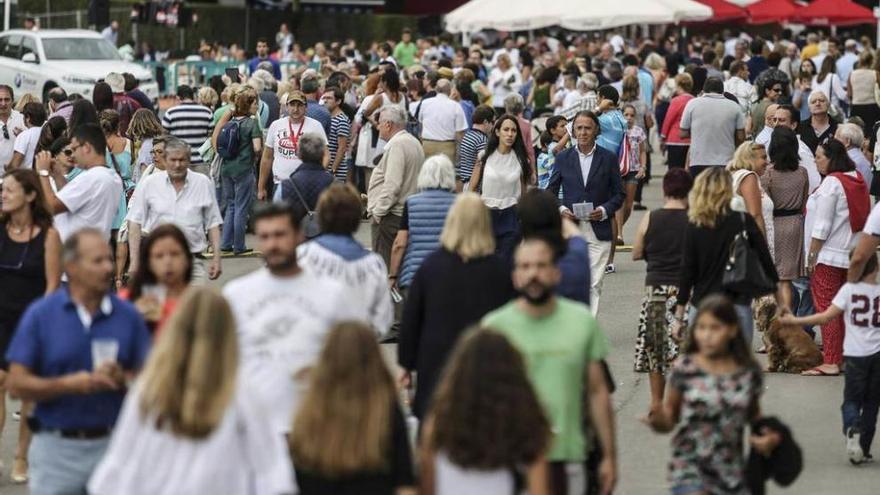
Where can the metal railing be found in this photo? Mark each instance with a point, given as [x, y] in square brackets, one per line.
[197, 72]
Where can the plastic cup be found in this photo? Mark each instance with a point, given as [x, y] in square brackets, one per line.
[104, 351]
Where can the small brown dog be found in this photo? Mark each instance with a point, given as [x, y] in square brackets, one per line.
[790, 349]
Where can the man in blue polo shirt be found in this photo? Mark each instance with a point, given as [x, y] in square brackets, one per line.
[52, 363]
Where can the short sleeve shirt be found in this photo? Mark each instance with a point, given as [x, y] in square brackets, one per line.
[872, 226]
[340, 127]
[26, 145]
[860, 303]
[51, 341]
[712, 121]
[472, 143]
[243, 162]
[284, 145]
[557, 350]
[92, 200]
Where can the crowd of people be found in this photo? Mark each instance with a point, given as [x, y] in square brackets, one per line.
[497, 184]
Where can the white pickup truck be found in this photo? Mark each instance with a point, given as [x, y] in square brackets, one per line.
[74, 59]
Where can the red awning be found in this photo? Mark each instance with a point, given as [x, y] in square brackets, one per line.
[768, 11]
[834, 13]
[723, 11]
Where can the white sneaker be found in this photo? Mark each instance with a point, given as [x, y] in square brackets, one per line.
[853, 447]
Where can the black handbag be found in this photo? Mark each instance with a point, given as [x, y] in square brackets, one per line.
[310, 226]
[744, 274]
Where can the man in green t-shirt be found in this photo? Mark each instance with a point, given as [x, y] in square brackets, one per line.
[405, 51]
[563, 348]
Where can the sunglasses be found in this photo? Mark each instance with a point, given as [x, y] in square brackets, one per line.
[5, 132]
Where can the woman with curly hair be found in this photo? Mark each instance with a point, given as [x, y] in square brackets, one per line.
[711, 229]
[349, 436]
[486, 423]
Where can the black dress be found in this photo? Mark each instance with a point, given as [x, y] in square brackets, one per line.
[399, 473]
[22, 279]
[447, 295]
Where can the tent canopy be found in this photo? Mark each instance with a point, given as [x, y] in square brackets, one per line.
[835, 13]
[723, 11]
[768, 11]
[577, 15]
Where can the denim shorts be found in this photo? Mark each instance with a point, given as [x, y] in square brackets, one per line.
[630, 178]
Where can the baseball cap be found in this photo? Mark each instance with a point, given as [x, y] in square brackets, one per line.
[296, 96]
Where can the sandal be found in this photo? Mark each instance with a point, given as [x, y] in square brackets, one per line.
[19, 474]
[818, 371]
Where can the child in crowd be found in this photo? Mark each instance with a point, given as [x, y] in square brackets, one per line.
[860, 304]
[714, 391]
[632, 170]
[549, 141]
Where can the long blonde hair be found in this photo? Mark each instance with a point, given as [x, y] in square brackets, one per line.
[710, 198]
[344, 423]
[743, 156]
[468, 228]
[190, 377]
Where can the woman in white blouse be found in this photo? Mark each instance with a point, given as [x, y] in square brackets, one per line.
[188, 424]
[504, 79]
[748, 164]
[836, 212]
[501, 175]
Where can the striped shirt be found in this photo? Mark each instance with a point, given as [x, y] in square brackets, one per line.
[339, 127]
[472, 143]
[190, 122]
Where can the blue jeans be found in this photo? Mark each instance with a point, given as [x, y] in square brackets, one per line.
[802, 300]
[861, 397]
[63, 466]
[238, 192]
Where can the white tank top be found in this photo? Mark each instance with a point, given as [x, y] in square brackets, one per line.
[450, 479]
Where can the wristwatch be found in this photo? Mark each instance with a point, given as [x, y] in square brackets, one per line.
[43, 173]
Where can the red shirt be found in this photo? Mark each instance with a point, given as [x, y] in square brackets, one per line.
[672, 121]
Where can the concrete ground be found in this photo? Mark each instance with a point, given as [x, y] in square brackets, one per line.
[810, 405]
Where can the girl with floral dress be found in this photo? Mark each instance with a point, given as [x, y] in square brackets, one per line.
[714, 392]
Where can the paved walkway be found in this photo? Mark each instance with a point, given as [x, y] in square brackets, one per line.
[809, 405]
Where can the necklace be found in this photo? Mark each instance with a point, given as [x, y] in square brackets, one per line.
[17, 230]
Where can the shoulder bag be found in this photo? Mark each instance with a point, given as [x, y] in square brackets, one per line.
[743, 273]
[310, 226]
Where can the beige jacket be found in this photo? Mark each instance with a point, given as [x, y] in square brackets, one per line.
[394, 179]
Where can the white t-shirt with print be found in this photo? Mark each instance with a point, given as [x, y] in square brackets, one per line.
[872, 225]
[282, 325]
[861, 305]
[285, 161]
[92, 200]
[26, 144]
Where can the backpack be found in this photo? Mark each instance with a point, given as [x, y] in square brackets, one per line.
[228, 140]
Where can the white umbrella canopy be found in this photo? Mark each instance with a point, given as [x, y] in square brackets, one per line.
[688, 10]
[577, 15]
[607, 14]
